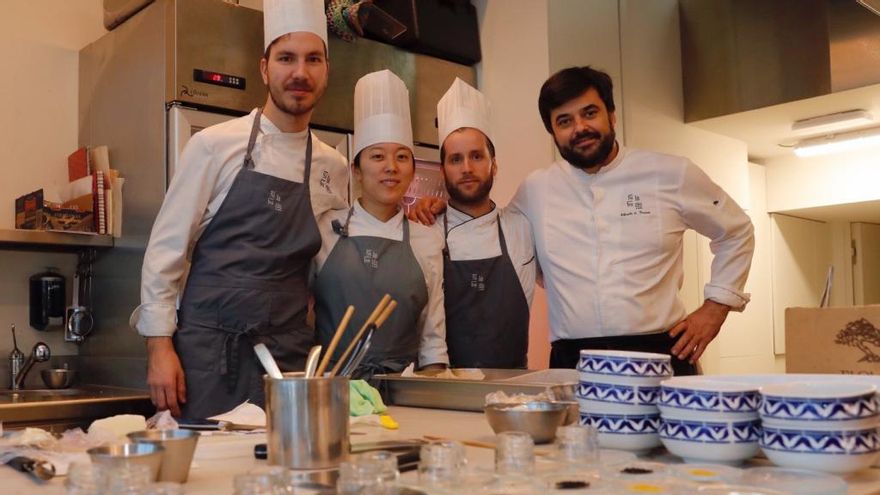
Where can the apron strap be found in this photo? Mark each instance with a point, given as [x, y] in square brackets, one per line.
[231, 356]
[405, 230]
[501, 239]
[342, 230]
[445, 237]
[255, 129]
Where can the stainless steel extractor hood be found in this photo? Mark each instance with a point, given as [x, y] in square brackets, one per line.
[740, 55]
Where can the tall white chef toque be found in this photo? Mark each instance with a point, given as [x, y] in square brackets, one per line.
[462, 106]
[291, 16]
[381, 111]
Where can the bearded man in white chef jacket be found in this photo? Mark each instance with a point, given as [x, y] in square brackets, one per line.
[239, 216]
[489, 258]
[608, 223]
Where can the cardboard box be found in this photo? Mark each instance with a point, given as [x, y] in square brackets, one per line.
[33, 212]
[844, 340]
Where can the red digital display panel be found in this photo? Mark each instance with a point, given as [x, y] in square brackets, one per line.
[219, 79]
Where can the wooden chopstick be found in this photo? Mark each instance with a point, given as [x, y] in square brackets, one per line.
[343, 324]
[371, 319]
[474, 443]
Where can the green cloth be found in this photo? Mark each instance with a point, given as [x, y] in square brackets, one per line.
[364, 399]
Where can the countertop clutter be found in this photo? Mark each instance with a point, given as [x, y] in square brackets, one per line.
[220, 457]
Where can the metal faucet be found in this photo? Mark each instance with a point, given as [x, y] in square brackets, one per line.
[40, 353]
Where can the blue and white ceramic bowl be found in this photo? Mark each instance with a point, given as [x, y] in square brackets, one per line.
[702, 398]
[726, 442]
[614, 398]
[832, 451]
[824, 406]
[636, 365]
[632, 432]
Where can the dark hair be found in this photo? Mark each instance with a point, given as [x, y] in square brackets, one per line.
[489, 145]
[570, 83]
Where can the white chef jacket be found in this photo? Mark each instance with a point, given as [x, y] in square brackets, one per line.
[427, 246]
[476, 238]
[609, 244]
[208, 166]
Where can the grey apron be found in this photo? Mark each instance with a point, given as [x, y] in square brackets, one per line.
[359, 271]
[487, 314]
[247, 284]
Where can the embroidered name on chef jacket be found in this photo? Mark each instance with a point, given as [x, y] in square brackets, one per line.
[274, 200]
[478, 282]
[634, 205]
[371, 258]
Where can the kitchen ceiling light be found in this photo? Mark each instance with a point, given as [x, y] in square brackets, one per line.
[836, 143]
[824, 124]
[872, 5]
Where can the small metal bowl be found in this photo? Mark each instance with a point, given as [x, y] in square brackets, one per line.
[58, 377]
[122, 455]
[179, 448]
[538, 419]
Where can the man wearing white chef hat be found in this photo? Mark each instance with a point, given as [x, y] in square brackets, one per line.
[373, 249]
[489, 258]
[240, 215]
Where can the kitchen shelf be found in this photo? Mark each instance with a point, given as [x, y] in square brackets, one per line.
[42, 240]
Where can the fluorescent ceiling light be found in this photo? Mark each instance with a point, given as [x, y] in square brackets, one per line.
[836, 143]
[872, 5]
[824, 124]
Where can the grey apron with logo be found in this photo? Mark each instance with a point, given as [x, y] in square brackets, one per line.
[487, 314]
[359, 271]
[247, 284]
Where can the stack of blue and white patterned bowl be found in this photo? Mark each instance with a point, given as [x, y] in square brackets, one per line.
[709, 420]
[618, 393]
[829, 427]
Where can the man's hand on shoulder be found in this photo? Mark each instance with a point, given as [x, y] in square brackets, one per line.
[165, 375]
[425, 209]
[698, 329]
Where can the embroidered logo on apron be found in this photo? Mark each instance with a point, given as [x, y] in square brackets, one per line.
[274, 200]
[371, 258]
[478, 281]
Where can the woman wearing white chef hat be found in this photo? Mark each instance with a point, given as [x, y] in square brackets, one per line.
[244, 203]
[372, 249]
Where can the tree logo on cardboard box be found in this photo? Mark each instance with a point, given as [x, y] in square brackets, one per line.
[861, 333]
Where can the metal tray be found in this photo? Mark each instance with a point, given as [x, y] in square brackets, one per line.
[468, 395]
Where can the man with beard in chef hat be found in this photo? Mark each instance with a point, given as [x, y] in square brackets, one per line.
[240, 217]
[608, 223]
[489, 258]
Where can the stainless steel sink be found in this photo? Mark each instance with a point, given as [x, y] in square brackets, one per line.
[43, 394]
[46, 406]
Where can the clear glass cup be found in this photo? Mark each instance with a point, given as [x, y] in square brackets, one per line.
[514, 453]
[442, 464]
[84, 478]
[254, 484]
[577, 444]
[372, 473]
[131, 479]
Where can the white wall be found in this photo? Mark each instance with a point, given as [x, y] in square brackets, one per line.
[841, 178]
[39, 45]
[514, 39]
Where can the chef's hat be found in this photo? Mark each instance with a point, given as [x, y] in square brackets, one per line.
[381, 111]
[462, 106]
[290, 16]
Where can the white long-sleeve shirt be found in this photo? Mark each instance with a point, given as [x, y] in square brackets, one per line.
[609, 244]
[476, 238]
[427, 246]
[208, 166]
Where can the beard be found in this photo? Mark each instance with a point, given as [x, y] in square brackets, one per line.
[479, 195]
[296, 107]
[589, 160]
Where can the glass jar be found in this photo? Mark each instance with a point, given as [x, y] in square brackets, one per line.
[372, 473]
[84, 478]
